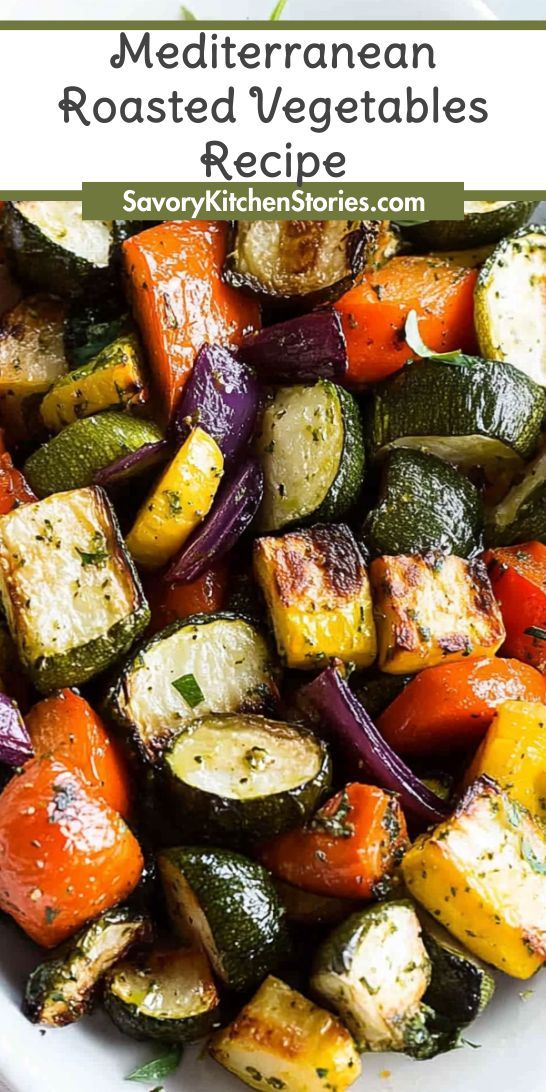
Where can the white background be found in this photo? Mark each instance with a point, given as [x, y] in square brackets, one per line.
[46, 153]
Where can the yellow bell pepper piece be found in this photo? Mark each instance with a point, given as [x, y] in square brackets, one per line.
[482, 874]
[514, 753]
[178, 502]
[113, 378]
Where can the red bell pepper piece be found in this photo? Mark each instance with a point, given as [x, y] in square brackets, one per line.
[518, 576]
[13, 487]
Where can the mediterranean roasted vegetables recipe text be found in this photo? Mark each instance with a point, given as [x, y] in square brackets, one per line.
[273, 628]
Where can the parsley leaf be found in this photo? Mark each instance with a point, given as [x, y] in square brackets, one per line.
[189, 689]
[158, 1067]
[417, 345]
[532, 859]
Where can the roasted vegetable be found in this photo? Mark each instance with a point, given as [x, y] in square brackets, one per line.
[90, 327]
[54, 249]
[65, 855]
[424, 504]
[513, 753]
[521, 515]
[72, 599]
[318, 1056]
[14, 490]
[221, 396]
[518, 576]
[297, 264]
[374, 314]
[449, 708]
[233, 510]
[300, 350]
[484, 222]
[317, 590]
[475, 413]
[65, 727]
[374, 970]
[238, 778]
[357, 744]
[72, 459]
[61, 990]
[15, 743]
[460, 986]
[350, 849]
[227, 905]
[170, 602]
[432, 610]
[31, 359]
[125, 467]
[510, 302]
[178, 502]
[180, 301]
[308, 909]
[482, 873]
[216, 663]
[167, 993]
[112, 379]
[322, 423]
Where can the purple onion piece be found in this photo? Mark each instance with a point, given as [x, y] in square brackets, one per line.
[133, 463]
[347, 726]
[222, 396]
[15, 742]
[234, 508]
[298, 351]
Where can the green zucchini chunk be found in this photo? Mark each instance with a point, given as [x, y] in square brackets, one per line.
[62, 989]
[376, 690]
[227, 905]
[298, 264]
[71, 459]
[210, 663]
[306, 908]
[240, 778]
[54, 249]
[483, 222]
[425, 504]
[166, 993]
[521, 515]
[322, 424]
[509, 303]
[374, 970]
[460, 986]
[94, 607]
[90, 327]
[475, 413]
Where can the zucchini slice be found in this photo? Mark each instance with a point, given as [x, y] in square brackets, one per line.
[71, 459]
[281, 1040]
[209, 663]
[238, 777]
[91, 327]
[424, 504]
[167, 993]
[509, 303]
[72, 598]
[322, 423]
[460, 985]
[32, 357]
[62, 989]
[484, 222]
[318, 593]
[374, 971]
[521, 515]
[113, 379]
[480, 413]
[298, 264]
[54, 249]
[227, 905]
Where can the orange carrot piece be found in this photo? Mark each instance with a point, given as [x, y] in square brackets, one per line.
[65, 727]
[180, 300]
[65, 856]
[374, 313]
[170, 602]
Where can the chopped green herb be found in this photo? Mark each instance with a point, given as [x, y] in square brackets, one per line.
[158, 1067]
[417, 345]
[532, 859]
[189, 689]
[335, 824]
[95, 554]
